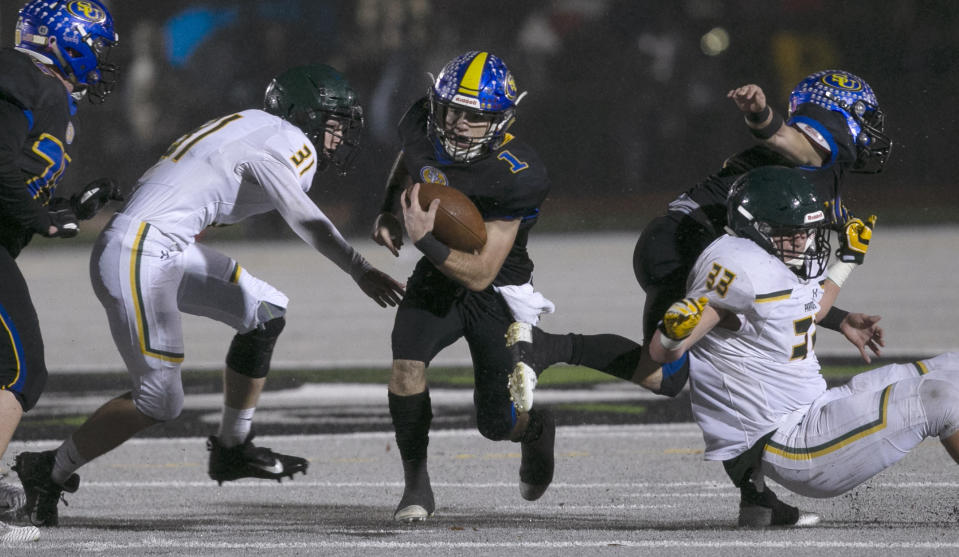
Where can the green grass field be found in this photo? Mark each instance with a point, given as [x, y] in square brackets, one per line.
[196, 381]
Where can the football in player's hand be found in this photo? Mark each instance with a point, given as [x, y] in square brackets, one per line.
[458, 223]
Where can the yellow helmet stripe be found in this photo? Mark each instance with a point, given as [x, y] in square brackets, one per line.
[470, 83]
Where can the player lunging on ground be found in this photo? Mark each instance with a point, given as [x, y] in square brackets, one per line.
[60, 57]
[458, 136]
[748, 327]
[147, 268]
[834, 126]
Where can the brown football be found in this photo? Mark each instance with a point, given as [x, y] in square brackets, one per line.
[458, 223]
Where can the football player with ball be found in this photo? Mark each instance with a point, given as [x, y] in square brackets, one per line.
[459, 136]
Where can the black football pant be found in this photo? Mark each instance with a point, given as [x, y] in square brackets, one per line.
[663, 257]
[22, 367]
[434, 313]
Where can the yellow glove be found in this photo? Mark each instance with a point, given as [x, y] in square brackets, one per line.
[680, 320]
[854, 240]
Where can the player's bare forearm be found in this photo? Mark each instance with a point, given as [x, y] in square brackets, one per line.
[476, 271]
[793, 145]
[830, 293]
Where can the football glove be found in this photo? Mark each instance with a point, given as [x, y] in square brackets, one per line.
[66, 223]
[680, 320]
[854, 240]
[94, 196]
[838, 213]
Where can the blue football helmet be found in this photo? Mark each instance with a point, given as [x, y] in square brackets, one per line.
[74, 36]
[479, 88]
[854, 99]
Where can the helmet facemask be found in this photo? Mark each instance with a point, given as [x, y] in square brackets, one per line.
[486, 130]
[805, 250]
[872, 145]
[338, 140]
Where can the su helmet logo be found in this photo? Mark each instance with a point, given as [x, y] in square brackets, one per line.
[845, 82]
[87, 11]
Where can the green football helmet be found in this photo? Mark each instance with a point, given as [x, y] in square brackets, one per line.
[771, 205]
[317, 99]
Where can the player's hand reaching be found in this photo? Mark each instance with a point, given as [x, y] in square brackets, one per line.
[387, 231]
[680, 320]
[864, 332]
[418, 222]
[94, 196]
[854, 240]
[63, 224]
[381, 287]
[748, 98]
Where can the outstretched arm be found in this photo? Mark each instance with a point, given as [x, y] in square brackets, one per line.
[768, 126]
[313, 226]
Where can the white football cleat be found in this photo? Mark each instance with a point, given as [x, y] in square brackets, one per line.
[12, 535]
[522, 384]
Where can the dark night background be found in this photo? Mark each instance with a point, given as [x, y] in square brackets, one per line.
[626, 100]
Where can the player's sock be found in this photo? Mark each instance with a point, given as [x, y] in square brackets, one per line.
[411, 416]
[67, 461]
[612, 354]
[235, 426]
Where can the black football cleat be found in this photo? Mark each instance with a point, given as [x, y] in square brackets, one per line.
[417, 503]
[42, 493]
[762, 509]
[249, 461]
[536, 468]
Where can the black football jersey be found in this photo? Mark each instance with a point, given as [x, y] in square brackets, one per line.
[508, 183]
[37, 128]
[709, 196]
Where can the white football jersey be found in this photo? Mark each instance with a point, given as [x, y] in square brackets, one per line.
[226, 170]
[234, 167]
[749, 381]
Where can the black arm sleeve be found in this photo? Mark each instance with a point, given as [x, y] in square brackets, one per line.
[16, 204]
[395, 185]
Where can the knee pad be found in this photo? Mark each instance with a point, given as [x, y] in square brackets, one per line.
[940, 400]
[163, 404]
[250, 353]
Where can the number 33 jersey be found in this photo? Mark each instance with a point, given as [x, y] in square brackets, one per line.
[748, 380]
[228, 169]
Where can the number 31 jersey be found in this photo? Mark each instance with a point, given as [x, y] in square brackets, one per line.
[747, 381]
[226, 170]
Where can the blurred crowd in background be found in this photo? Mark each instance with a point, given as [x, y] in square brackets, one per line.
[626, 98]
